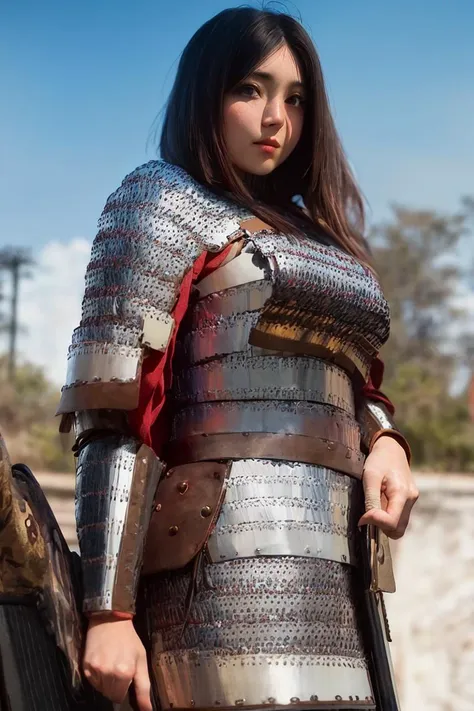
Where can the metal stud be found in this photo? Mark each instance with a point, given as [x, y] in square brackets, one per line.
[173, 530]
[183, 486]
[206, 511]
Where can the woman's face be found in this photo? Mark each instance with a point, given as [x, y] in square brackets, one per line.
[263, 115]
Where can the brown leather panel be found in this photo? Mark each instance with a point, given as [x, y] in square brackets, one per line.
[298, 448]
[255, 224]
[187, 503]
[146, 475]
[94, 396]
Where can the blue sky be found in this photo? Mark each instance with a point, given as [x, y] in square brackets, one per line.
[82, 83]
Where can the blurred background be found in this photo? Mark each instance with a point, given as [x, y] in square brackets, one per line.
[82, 86]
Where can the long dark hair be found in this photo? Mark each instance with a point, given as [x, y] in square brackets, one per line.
[223, 52]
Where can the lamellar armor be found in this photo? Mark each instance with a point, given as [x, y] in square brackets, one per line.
[250, 590]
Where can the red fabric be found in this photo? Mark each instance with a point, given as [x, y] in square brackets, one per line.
[372, 387]
[157, 367]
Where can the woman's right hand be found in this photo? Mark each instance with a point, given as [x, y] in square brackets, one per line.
[115, 657]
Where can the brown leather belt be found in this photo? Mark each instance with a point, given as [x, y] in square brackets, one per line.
[264, 445]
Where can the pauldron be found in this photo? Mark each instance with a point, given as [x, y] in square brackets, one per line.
[151, 231]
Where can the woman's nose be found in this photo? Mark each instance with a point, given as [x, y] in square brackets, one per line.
[273, 114]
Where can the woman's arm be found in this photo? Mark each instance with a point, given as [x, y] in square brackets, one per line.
[389, 487]
[158, 232]
[377, 413]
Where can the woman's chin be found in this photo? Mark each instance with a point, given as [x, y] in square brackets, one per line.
[263, 167]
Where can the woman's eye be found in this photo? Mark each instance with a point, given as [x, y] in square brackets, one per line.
[248, 90]
[296, 100]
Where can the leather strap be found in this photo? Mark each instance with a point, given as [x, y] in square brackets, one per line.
[257, 445]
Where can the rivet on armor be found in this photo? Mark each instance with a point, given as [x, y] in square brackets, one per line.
[158, 507]
[338, 698]
[240, 702]
[314, 697]
[307, 550]
[169, 473]
[183, 486]
[32, 529]
[173, 530]
[271, 700]
[206, 511]
[331, 446]
[258, 551]
[294, 700]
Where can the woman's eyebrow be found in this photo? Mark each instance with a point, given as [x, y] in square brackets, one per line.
[266, 76]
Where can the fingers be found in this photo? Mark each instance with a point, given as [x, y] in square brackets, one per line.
[400, 501]
[113, 682]
[404, 519]
[387, 520]
[114, 657]
[142, 687]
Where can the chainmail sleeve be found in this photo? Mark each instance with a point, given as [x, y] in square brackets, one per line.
[151, 232]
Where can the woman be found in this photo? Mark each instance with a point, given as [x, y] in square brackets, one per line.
[228, 349]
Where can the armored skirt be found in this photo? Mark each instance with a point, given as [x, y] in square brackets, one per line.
[274, 621]
[241, 357]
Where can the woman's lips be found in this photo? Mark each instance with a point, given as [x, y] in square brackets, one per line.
[266, 148]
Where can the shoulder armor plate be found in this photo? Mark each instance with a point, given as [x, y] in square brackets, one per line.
[152, 229]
